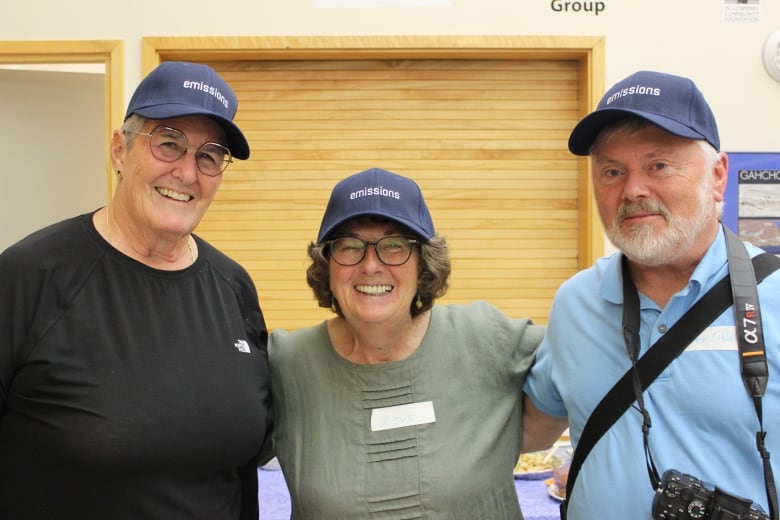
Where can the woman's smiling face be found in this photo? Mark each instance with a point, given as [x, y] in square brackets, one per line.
[371, 291]
[166, 197]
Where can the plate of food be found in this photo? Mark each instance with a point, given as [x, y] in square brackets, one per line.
[534, 466]
[556, 493]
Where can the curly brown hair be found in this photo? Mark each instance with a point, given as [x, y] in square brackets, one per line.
[432, 279]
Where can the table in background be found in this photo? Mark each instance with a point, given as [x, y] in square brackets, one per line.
[275, 499]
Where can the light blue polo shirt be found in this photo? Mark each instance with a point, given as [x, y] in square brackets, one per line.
[703, 421]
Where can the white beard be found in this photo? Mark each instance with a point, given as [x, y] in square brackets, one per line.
[643, 245]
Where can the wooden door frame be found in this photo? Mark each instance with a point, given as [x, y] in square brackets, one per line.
[587, 51]
[108, 52]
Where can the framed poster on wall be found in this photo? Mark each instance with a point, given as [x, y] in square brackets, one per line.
[752, 208]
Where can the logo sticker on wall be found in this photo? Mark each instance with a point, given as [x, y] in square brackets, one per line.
[741, 11]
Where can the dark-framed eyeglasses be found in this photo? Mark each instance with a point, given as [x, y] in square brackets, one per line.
[349, 251]
[168, 144]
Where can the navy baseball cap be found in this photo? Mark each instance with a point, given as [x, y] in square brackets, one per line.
[381, 193]
[672, 102]
[179, 89]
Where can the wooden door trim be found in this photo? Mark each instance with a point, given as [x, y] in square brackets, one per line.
[588, 51]
[108, 52]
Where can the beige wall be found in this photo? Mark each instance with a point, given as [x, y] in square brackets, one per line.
[685, 37]
[51, 125]
[689, 38]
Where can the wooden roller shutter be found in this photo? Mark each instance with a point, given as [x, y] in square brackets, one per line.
[484, 138]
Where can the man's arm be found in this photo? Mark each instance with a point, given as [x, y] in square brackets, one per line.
[540, 430]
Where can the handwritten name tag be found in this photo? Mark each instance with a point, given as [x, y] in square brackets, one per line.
[410, 414]
[721, 337]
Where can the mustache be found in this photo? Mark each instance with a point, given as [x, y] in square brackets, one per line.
[644, 206]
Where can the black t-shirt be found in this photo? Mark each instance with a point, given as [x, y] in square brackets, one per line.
[127, 392]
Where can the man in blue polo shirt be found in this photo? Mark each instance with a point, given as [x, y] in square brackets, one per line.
[659, 179]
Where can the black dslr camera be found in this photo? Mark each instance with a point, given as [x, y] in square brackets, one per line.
[683, 497]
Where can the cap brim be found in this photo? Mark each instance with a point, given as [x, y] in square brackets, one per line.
[326, 234]
[236, 142]
[585, 132]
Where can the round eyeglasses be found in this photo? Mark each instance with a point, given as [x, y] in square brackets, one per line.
[169, 145]
[349, 251]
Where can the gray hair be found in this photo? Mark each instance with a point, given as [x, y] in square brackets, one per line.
[134, 123]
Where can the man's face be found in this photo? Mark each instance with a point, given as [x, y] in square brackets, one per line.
[657, 193]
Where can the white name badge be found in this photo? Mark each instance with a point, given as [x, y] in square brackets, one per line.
[722, 337]
[399, 416]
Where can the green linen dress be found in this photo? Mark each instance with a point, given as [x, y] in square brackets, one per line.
[470, 367]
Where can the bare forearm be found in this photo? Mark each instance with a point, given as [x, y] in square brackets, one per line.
[540, 430]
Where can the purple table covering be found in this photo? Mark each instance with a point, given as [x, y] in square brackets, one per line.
[275, 500]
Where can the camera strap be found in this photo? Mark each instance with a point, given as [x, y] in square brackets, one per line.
[752, 354]
[642, 373]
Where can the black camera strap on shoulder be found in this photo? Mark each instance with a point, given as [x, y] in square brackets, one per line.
[752, 354]
[644, 370]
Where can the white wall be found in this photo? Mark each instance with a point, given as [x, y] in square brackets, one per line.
[687, 37]
[52, 149]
